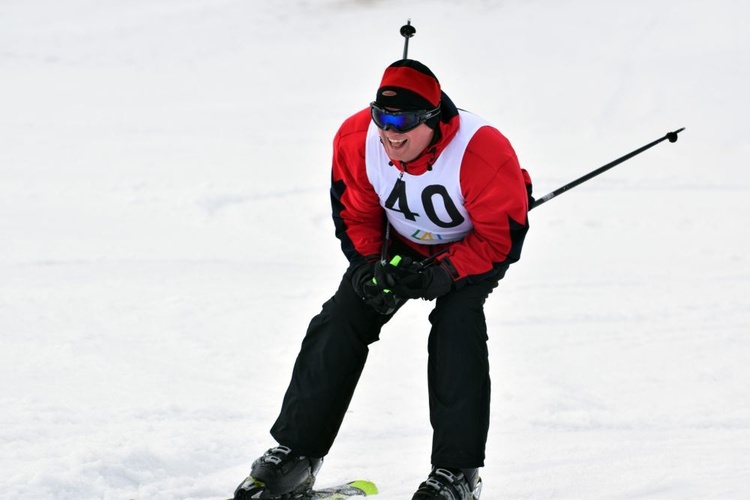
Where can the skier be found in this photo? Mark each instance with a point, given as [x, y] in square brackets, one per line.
[429, 202]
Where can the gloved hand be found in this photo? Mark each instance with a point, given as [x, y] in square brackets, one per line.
[410, 279]
[384, 302]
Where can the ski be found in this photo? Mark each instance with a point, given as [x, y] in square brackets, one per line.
[360, 488]
[351, 489]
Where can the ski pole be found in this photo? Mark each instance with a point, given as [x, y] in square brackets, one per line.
[671, 136]
[407, 31]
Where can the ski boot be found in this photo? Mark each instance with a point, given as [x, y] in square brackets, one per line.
[279, 474]
[450, 484]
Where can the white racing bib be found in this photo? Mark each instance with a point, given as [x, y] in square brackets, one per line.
[427, 209]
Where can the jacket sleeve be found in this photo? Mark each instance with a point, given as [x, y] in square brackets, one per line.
[357, 215]
[495, 196]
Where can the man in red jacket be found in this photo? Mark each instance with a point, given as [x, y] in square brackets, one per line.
[429, 202]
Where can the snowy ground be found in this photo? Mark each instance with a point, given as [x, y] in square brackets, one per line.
[166, 237]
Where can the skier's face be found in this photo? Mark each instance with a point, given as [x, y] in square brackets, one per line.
[406, 146]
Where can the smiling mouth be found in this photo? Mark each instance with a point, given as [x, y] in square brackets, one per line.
[396, 144]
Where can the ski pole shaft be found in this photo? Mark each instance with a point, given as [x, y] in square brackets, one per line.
[407, 31]
[386, 242]
[671, 136]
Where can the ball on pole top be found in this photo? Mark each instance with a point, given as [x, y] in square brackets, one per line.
[407, 30]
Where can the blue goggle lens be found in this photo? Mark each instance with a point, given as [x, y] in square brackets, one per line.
[400, 121]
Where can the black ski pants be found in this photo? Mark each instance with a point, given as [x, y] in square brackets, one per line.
[333, 355]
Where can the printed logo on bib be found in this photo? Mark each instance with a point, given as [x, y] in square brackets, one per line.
[426, 236]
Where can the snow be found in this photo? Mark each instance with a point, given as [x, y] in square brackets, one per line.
[166, 237]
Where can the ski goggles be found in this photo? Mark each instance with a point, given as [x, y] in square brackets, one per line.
[400, 121]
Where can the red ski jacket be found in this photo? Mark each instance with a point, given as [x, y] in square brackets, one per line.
[494, 193]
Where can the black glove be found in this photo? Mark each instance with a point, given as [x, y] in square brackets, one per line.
[410, 279]
[384, 302]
